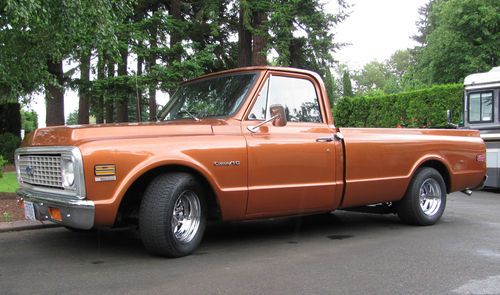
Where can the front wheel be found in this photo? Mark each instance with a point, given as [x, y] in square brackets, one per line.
[425, 198]
[172, 217]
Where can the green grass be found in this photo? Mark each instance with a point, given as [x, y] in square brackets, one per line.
[8, 183]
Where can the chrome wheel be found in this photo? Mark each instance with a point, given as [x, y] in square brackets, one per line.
[430, 197]
[186, 217]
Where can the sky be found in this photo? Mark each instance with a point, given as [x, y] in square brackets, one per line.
[374, 30]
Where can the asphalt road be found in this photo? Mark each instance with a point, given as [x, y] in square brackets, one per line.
[340, 253]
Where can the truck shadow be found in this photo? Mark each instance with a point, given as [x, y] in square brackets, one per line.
[335, 226]
[340, 225]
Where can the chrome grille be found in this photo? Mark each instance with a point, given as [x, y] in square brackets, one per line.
[43, 170]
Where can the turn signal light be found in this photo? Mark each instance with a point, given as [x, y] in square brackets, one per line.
[55, 213]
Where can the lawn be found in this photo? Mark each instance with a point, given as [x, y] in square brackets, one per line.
[8, 183]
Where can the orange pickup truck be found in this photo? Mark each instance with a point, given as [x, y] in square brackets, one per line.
[248, 143]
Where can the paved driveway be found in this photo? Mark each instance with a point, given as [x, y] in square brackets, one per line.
[341, 253]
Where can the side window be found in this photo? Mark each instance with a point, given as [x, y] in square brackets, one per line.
[296, 95]
[259, 108]
[481, 107]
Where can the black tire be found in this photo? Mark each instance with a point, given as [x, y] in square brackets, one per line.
[413, 209]
[156, 215]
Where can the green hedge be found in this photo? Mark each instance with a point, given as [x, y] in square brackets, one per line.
[8, 145]
[418, 108]
[2, 164]
[10, 118]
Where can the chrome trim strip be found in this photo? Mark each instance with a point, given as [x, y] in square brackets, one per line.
[490, 135]
[254, 129]
[79, 191]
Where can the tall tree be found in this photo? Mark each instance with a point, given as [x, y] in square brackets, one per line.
[54, 93]
[425, 23]
[153, 55]
[54, 31]
[373, 75]
[109, 100]
[346, 85]
[122, 99]
[331, 87]
[98, 102]
[462, 38]
[244, 35]
[83, 91]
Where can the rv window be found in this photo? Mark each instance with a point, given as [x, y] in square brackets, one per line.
[481, 107]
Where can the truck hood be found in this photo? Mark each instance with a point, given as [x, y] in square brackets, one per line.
[77, 134]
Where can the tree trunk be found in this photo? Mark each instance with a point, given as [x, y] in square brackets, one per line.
[244, 41]
[175, 36]
[54, 95]
[109, 101]
[151, 63]
[138, 92]
[83, 105]
[122, 102]
[100, 99]
[259, 50]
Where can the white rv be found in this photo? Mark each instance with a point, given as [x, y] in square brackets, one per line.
[482, 111]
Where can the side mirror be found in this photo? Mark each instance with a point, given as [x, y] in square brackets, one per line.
[449, 119]
[278, 117]
[278, 112]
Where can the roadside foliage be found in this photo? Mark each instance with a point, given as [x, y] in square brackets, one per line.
[419, 108]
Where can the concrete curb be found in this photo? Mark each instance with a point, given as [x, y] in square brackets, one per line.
[25, 225]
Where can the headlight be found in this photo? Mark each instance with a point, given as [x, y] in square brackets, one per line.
[68, 172]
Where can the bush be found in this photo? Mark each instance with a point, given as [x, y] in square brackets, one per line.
[10, 118]
[8, 144]
[2, 163]
[419, 108]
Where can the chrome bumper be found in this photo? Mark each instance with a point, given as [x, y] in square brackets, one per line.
[74, 213]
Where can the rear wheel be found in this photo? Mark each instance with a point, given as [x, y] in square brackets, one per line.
[172, 217]
[425, 198]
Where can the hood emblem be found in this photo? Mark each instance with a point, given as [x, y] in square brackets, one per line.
[29, 170]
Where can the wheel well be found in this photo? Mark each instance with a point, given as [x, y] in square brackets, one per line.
[128, 212]
[441, 168]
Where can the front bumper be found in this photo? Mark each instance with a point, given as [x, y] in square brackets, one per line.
[74, 213]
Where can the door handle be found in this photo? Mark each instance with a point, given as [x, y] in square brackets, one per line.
[324, 139]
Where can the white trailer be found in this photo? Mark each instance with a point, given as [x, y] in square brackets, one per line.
[482, 111]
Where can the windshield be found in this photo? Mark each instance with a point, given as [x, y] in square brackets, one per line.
[212, 97]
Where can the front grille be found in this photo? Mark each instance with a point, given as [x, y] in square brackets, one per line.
[42, 170]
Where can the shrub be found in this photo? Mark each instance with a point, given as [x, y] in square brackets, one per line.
[2, 163]
[418, 108]
[8, 144]
[10, 118]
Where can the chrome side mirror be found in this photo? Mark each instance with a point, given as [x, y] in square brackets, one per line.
[449, 119]
[278, 110]
[278, 117]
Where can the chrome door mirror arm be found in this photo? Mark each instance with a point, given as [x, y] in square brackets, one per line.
[253, 129]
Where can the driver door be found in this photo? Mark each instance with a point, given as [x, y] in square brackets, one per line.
[290, 168]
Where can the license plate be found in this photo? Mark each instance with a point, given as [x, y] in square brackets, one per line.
[29, 211]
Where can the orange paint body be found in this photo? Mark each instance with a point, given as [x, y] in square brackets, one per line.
[281, 171]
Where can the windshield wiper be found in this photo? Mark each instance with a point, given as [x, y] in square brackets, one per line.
[192, 116]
